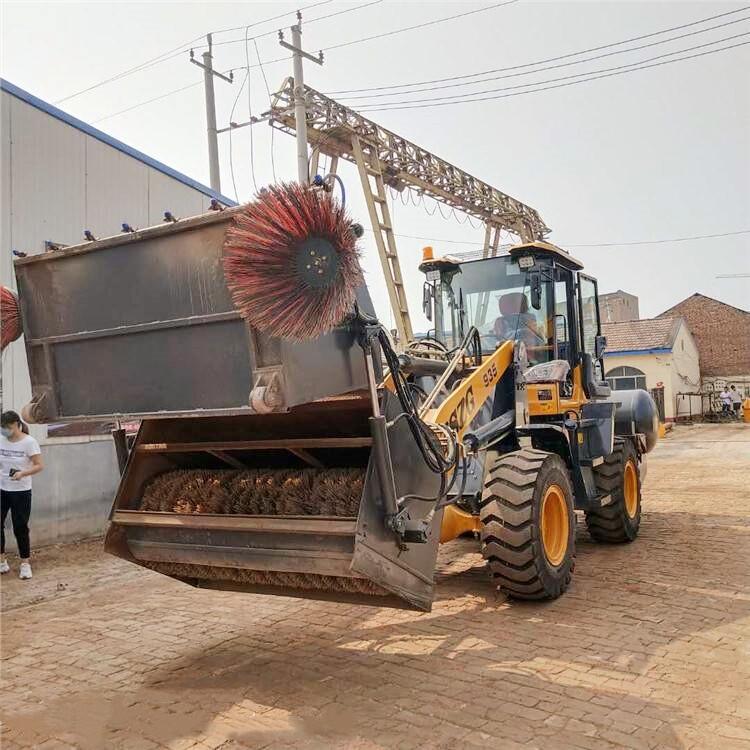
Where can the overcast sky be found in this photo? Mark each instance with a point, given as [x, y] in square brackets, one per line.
[655, 154]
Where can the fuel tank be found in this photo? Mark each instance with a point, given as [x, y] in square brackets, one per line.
[635, 414]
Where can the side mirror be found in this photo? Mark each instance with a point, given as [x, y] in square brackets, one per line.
[428, 294]
[600, 344]
[536, 290]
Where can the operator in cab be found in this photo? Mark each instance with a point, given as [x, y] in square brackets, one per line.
[516, 323]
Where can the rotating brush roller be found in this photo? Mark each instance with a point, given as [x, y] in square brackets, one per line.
[10, 317]
[291, 262]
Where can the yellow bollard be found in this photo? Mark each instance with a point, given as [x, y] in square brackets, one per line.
[746, 410]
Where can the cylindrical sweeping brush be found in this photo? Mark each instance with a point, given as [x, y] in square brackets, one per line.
[10, 317]
[291, 262]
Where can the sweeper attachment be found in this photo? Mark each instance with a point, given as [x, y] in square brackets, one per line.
[266, 459]
[285, 448]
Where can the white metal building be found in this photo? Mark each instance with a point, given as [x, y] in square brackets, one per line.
[58, 177]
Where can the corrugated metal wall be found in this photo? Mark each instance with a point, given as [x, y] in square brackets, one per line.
[56, 181]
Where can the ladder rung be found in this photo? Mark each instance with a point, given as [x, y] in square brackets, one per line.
[373, 172]
[385, 227]
[378, 199]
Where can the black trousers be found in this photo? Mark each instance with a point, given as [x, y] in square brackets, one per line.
[19, 506]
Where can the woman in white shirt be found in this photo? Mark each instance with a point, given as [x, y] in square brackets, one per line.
[20, 459]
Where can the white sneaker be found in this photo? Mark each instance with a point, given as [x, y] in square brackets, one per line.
[4, 567]
[25, 571]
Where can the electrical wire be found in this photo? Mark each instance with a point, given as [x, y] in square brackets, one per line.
[570, 245]
[179, 50]
[547, 60]
[231, 153]
[168, 55]
[260, 63]
[660, 242]
[554, 67]
[270, 103]
[271, 18]
[574, 75]
[434, 22]
[387, 33]
[149, 101]
[469, 100]
[308, 21]
[250, 114]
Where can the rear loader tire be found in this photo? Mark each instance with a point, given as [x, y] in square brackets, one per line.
[528, 524]
[620, 477]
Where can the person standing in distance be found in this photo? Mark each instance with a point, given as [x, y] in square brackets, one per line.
[20, 459]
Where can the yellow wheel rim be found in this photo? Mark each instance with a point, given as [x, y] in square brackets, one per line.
[555, 524]
[630, 489]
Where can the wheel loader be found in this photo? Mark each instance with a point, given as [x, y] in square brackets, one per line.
[332, 468]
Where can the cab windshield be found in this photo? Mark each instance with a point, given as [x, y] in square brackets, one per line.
[495, 296]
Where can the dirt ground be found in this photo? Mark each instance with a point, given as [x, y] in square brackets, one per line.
[650, 647]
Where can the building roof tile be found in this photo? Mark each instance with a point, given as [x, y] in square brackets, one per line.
[641, 335]
[721, 333]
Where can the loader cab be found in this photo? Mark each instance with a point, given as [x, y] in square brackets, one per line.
[537, 295]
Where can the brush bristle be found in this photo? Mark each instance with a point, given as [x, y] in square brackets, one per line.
[270, 255]
[10, 317]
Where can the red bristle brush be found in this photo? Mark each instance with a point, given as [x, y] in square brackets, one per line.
[10, 317]
[291, 262]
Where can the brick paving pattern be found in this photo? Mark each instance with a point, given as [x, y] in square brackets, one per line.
[648, 649]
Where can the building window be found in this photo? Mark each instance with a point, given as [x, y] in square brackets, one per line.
[626, 379]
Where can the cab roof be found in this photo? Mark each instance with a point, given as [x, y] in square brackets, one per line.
[538, 247]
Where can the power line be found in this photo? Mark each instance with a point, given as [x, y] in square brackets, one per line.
[420, 25]
[168, 55]
[153, 99]
[672, 239]
[319, 18]
[574, 75]
[401, 30]
[268, 91]
[468, 100]
[553, 67]
[179, 50]
[387, 106]
[547, 60]
[230, 70]
[231, 143]
[592, 245]
[308, 21]
[250, 115]
[266, 20]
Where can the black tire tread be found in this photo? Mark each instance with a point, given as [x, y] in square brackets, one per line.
[610, 523]
[510, 541]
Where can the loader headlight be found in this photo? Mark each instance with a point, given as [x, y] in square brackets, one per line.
[526, 261]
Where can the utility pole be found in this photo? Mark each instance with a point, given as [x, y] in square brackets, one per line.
[208, 82]
[300, 109]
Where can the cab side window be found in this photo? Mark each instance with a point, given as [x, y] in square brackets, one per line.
[589, 319]
[563, 318]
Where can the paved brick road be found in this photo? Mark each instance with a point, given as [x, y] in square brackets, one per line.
[648, 649]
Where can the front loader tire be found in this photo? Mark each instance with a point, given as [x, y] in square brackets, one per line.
[620, 477]
[528, 523]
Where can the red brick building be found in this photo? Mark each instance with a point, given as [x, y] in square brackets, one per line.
[722, 334]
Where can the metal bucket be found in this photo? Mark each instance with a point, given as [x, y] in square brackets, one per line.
[351, 558]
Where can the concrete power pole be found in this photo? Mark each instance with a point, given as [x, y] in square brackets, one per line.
[213, 140]
[300, 109]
